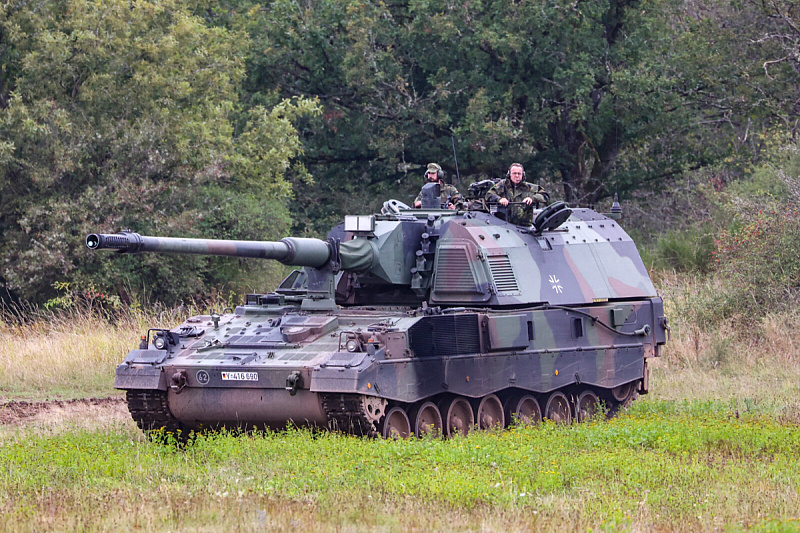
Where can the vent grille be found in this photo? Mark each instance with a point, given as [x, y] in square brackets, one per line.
[503, 274]
[445, 335]
[454, 273]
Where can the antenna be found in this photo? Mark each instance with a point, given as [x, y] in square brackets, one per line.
[458, 176]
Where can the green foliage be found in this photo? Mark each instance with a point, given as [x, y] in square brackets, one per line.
[773, 181]
[764, 185]
[757, 250]
[682, 250]
[753, 268]
[619, 471]
[759, 258]
[576, 92]
[125, 115]
[89, 297]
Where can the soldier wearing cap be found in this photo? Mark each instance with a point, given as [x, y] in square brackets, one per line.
[514, 189]
[449, 194]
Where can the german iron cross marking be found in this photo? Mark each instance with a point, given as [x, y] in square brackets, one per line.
[556, 287]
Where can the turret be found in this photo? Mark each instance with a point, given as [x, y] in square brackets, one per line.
[440, 257]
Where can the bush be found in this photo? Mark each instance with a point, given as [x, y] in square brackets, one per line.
[682, 250]
[758, 257]
[752, 262]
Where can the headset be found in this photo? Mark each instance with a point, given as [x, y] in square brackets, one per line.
[439, 174]
[508, 172]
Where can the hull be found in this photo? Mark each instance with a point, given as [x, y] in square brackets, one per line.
[241, 375]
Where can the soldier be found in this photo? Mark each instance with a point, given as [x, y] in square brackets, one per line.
[449, 194]
[514, 189]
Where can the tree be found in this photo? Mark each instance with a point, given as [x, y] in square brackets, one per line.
[577, 91]
[125, 114]
[735, 62]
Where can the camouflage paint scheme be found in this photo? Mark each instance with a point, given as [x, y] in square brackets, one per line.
[437, 305]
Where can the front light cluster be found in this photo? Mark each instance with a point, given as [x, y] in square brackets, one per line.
[160, 342]
[353, 345]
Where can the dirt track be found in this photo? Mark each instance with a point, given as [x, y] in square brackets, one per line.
[21, 412]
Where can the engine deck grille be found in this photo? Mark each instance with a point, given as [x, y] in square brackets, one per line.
[445, 335]
[503, 274]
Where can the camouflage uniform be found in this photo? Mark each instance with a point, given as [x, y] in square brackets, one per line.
[520, 215]
[448, 194]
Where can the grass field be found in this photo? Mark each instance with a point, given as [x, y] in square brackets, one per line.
[668, 466]
[714, 447]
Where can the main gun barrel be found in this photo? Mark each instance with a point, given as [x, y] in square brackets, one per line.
[297, 251]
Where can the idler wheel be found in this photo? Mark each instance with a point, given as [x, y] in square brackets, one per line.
[459, 417]
[427, 420]
[524, 408]
[586, 406]
[490, 413]
[396, 424]
[558, 409]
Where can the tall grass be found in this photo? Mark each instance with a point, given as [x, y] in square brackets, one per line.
[743, 358]
[70, 353]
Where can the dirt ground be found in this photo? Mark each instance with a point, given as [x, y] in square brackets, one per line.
[18, 413]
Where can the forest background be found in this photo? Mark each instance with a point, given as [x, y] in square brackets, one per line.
[245, 120]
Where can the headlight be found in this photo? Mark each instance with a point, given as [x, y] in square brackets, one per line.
[352, 345]
[160, 343]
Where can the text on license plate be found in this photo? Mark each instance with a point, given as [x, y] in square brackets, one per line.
[240, 376]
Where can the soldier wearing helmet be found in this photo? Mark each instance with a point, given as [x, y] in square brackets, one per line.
[449, 194]
[523, 195]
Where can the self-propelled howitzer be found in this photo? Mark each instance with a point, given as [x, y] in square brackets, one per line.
[407, 322]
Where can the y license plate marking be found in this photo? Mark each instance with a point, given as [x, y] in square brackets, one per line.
[240, 376]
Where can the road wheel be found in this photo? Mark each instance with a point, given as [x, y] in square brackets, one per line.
[623, 392]
[558, 409]
[427, 420]
[459, 418]
[396, 424]
[586, 405]
[490, 413]
[524, 408]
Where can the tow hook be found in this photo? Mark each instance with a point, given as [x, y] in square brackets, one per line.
[665, 324]
[294, 382]
[179, 381]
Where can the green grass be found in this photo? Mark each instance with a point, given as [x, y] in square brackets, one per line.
[687, 466]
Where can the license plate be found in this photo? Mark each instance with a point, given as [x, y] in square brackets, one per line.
[240, 376]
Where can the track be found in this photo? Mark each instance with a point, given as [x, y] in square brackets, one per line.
[150, 411]
[350, 413]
